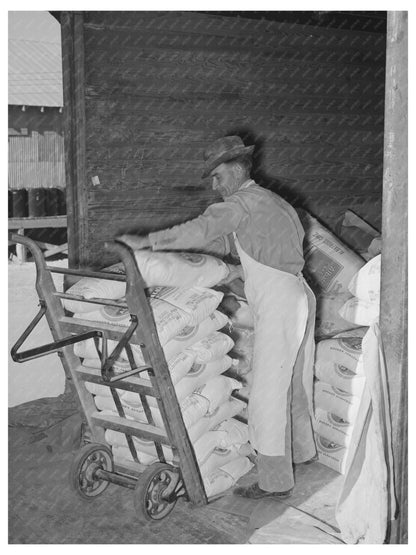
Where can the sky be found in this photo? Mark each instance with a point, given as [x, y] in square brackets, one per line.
[34, 25]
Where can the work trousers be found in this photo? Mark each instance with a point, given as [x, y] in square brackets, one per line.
[276, 473]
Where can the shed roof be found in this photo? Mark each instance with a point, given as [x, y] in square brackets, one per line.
[35, 73]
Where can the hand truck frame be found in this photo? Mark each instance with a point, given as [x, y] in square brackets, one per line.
[158, 486]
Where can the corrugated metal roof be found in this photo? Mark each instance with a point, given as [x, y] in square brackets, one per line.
[35, 73]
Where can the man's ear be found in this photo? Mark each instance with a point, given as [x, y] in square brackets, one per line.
[239, 170]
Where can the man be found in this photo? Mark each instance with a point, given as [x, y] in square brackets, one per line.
[268, 236]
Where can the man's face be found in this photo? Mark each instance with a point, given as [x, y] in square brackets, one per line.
[225, 180]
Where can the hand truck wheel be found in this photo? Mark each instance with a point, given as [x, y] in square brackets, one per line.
[157, 491]
[88, 460]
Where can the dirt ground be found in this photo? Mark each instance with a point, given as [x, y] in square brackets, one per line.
[43, 439]
[43, 377]
[44, 510]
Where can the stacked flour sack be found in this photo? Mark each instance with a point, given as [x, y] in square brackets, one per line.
[330, 266]
[184, 306]
[339, 384]
[363, 308]
[241, 331]
[339, 369]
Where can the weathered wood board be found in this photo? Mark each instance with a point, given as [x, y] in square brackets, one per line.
[154, 88]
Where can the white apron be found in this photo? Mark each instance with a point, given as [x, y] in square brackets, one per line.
[279, 304]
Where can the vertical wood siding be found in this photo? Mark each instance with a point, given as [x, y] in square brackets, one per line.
[161, 86]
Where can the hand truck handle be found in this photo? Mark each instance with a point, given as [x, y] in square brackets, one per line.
[38, 352]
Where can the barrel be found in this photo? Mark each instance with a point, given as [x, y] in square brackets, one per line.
[52, 201]
[10, 207]
[19, 203]
[37, 203]
[61, 202]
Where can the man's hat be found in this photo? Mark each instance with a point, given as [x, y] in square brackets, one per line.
[224, 150]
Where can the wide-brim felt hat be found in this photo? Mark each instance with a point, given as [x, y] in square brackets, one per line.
[224, 150]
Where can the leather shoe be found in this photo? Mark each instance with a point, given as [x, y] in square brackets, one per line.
[255, 492]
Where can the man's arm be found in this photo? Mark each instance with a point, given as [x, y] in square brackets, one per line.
[218, 220]
[218, 247]
[135, 242]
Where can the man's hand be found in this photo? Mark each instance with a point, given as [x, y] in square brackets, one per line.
[135, 242]
[235, 271]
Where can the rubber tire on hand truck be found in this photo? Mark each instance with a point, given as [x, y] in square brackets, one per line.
[81, 474]
[152, 485]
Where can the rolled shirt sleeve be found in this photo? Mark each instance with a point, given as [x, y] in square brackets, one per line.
[218, 220]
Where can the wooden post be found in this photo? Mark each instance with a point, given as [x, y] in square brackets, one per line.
[393, 317]
[74, 133]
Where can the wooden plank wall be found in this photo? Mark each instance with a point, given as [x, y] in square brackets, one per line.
[160, 86]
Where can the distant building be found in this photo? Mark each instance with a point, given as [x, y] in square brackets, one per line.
[35, 99]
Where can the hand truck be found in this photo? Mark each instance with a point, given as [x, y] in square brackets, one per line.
[156, 487]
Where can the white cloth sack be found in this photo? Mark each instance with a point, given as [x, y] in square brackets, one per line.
[135, 412]
[197, 302]
[359, 312]
[218, 458]
[193, 408]
[190, 335]
[178, 366]
[206, 444]
[212, 347]
[329, 321]
[225, 477]
[357, 233]
[191, 382]
[228, 409]
[230, 433]
[203, 447]
[217, 390]
[236, 433]
[200, 374]
[354, 332]
[365, 284]
[173, 310]
[180, 269]
[341, 378]
[186, 337]
[93, 288]
[343, 404]
[329, 268]
[122, 454]
[331, 454]
[142, 446]
[339, 362]
[339, 351]
[329, 263]
[171, 269]
[332, 427]
[367, 502]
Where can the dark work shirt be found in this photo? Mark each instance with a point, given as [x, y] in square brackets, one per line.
[267, 228]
